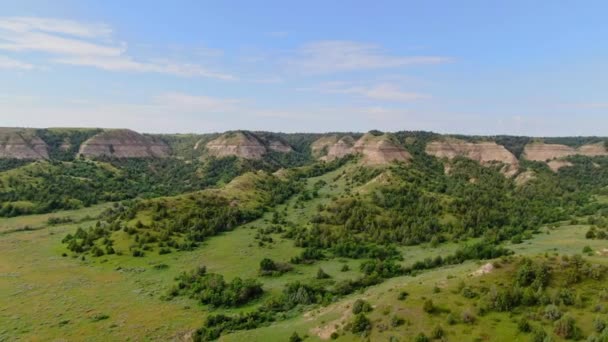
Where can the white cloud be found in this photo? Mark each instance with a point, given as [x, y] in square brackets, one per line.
[335, 56]
[126, 63]
[380, 92]
[68, 27]
[9, 63]
[196, 103]
[54, 44]
[86, 44]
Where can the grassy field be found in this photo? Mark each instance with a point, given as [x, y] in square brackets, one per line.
[45, 296]
[49, 296]
[318, 324]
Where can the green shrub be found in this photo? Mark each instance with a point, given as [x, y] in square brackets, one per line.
[361, 324]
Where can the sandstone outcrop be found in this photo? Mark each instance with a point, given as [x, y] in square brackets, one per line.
[486, 153]
[342, 148]
[279, 146]
[330, 148]
[244, 145]
[18, 143]
[539, 151]
[380, 149]
[320, 147]
[555, 165]
[123, 143]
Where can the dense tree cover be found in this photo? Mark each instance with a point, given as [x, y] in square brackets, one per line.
[81, 183]
[183, 222]
[8, 164]
[423, 204]
[212, 289]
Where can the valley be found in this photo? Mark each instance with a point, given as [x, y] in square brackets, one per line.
[152, 250]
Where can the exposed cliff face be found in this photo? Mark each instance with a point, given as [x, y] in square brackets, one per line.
[123, 143]
[546, 152]
[341, 148]
[381, 149]
[486, 153]
[320, 147]
[244, 145]
[330, 147]
[22, 144]
[279, 146]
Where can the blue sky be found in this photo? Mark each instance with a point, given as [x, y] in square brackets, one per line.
[473, 67]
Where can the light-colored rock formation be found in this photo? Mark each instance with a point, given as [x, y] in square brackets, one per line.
[539, 151]
[279, 146]
[239, 144]
[486, 153]
[331, 147]
[555, 165]
[18, 143]
[123, 143]
[320, 147]
[340, 149]
[525, 177]
[593, 150]
[245, 145]
[380, 149]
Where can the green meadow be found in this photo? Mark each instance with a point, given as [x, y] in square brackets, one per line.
[47, 296]
[49, 293]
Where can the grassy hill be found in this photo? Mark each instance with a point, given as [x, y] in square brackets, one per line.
[286, 249]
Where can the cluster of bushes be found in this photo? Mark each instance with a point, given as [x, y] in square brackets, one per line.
[545, 290]
[269, 267]
[596, 233]
[212, 289]
[53, 221]
[530, 286]
[481, 250]
[85, 241]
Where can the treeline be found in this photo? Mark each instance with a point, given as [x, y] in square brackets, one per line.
[47, 187]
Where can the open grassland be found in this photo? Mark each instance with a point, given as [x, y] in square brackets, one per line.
[47, 296]
[32, 222]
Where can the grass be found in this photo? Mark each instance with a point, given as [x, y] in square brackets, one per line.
[8, 225]
[46, 296]
[565, 239]
[50, 296]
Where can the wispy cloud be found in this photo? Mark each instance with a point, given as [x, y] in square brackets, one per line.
[9, 63]
[380, 92]
[339, 56]
[87, 44]
[69, 27]
[126, 63]
[196, 103]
